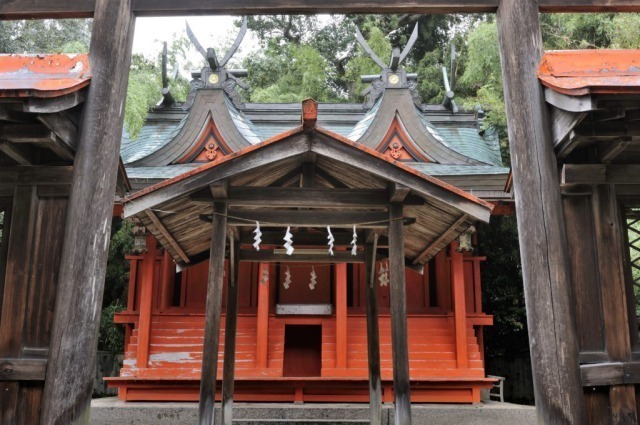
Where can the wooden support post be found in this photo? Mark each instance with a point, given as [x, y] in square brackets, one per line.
[168, 276]
[373, 333]
[262, 329]
[146, 303]
[543, 248]
[341, 315]
[231, 326]
[609, 233]
[459, 306]
[398, 299]
[443, 281]
[72, 353]
[212, 315]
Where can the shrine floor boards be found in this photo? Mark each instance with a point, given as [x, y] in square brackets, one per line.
[111, 411]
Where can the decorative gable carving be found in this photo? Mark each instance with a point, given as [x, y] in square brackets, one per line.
[398, 145]
[210, 147]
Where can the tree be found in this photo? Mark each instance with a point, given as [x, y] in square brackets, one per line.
[45, 36]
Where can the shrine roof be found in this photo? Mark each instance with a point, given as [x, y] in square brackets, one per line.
[581, 72]
[43, 76]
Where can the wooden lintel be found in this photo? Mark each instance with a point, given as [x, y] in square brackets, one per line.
[611, 373]
[33, 175]
[441, 238]
[302, 197]
[398, 192]
[600, 174]
[22, 9]
[269, 256]
[170, 239]
[22, 369]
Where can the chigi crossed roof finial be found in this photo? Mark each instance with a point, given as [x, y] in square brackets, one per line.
[216, 75]
[392, 75]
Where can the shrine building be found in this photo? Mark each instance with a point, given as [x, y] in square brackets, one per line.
[301, 327]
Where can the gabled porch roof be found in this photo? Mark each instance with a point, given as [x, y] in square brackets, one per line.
[352, 184]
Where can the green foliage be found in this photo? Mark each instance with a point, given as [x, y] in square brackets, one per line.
[45, 36]
[145, 84]
[296, 73]
[503, 294]
[111, 337]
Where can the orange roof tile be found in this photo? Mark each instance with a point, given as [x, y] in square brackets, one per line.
[581, 72]
[43, 76]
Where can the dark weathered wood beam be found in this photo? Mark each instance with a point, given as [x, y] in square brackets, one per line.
[23, 155]
[32, 175]
[610, 373]
[541, 229]
[22, 369]
[398, 192]
[219, 190]
[38, 135]
[269, 256]
[445, 235]
[613, 150]
[600, 174]
[76, 318]
[167, 235]
[20, 9]
[212, 316]
[62, 126]
[303, 197]
[274, 218]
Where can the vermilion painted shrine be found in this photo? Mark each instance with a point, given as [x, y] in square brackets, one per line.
[399, 171]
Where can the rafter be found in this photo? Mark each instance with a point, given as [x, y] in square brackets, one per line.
[170, 239]
[441, 238]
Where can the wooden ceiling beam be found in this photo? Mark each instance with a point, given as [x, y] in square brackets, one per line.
[612, 150]
[295, 197]
[22, 9]
[49, 175]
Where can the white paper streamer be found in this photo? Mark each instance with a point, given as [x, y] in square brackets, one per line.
[354, 242]
[287, 278]
[258, 237]
[288, 238]
[384, 274]
[313, 281]
[331, 240]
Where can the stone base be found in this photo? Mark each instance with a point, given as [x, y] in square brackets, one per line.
[111, 411]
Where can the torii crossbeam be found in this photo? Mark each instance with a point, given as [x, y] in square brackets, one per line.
[19, 9]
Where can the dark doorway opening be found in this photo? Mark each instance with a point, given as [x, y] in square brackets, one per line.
[302, 350]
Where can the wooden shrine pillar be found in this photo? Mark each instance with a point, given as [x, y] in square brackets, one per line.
[543, 247]
[146, 302]
[373, 333]
[459, 306]
[262, 326]
[212, 315]
[231, 326]
[72, 353]
[398, 300]
[341, 315]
